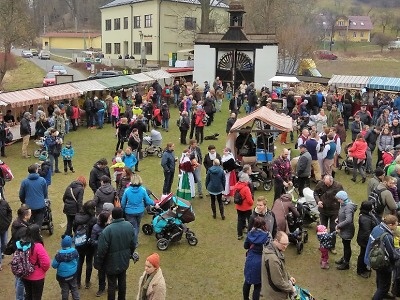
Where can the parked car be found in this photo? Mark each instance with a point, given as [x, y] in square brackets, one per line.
[394, 45]
[50, 78]
[26, 54]
[325, 54]
[44, 54]
[34, 52]
[105, 74]
[60, 69]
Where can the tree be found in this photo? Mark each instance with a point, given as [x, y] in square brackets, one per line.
[381, 40]
[15, 27]
[206, 9]
[384, 19]
[396, 25]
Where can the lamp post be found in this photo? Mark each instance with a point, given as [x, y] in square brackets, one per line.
[142, 51]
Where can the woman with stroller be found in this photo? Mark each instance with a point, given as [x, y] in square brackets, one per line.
[358, 151]
[281, 209]
[255, 240]
[215, 184]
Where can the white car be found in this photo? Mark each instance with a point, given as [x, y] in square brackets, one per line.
[44, 54]
[26, 54]
[60, 69]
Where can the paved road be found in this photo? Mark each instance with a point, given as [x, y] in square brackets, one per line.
[47, 64]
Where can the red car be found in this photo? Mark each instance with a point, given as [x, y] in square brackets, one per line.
[50, 78]
[325, 54]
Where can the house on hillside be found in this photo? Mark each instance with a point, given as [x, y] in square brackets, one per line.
[153, 29]
[353, 29]
[71, 40]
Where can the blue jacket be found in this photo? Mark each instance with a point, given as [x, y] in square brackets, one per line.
[215, 180]
[130, 160]
[255, 240]
[388, 243]
[67, 153]
[134, 200]
[397, 102]
[33, 191]
[66, 262]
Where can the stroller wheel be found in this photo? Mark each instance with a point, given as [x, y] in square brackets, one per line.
[267, 185]
[147, 229]
[159, 154]
[159, 236]
[145, 153]
[36, 153]
[189, 234]
[299, 247]
[193, 241]
[347, 170]
[162, 244]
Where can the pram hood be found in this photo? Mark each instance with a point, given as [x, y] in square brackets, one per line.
[155, 135]
[183, 209]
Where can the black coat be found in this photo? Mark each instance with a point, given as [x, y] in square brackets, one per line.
[5, 216]
[208, 163]
[73, 206]
[95, 175]
[25, 127]
[104, 194]
[366, 222]
[18, 229]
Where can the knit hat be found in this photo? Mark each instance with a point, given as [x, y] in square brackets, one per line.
[66, 242]
[108, 207]
[321, 228]
[342, 195]
[154, 259]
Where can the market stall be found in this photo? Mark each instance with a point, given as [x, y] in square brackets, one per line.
[384, 83]
[349, 82]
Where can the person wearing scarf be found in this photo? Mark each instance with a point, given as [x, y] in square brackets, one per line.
[152, 283]
[229, 166]
[186, 185]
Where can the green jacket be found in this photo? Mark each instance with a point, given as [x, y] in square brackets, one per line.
[115, 246]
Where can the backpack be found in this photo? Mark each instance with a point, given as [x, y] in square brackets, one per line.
[377, 256]
[104, 104]
[6, 173]
[376, 200]
[69, 111]
[81, 235]
[237, 198]
[20, 263]
[167, 91]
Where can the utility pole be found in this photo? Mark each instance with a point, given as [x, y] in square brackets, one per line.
[44, 24]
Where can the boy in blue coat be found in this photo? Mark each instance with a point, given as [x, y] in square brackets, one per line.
[67, 153]
[66, 263]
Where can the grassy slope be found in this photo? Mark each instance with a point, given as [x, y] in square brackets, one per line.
[211, 270]
[26, 75]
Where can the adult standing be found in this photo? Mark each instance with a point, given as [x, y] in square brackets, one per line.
[281, 209]
[122, 133]
[53, 144]
[303, 169]
[231, 120]
[5, 221]
[371, 138]
[328, 206]
[386, 197]
[124, 181]
[152, 283]
[177, 91]
[133, 203]
[134, 143]
[209, 158]
[384, 275]
[385, 140]
[141, 127]
[276, 283]
[32, 192]
[313, 147]
[184, 125]
[25, 132]
[195, 153]
[3, 135]
[34, 283]
[88, 106]
[358, 152]
[104, 194]
[229, 166]
[261, 210]
[215, 184]
[186, 184]
[345, 228]
[328, 154]
[168, 164]
[282, 173]
[115, 247]
[41, 126]
[375, 180]
[73, 201]
[199, 118]
[356, 127]
[99, 169]
[243, 209]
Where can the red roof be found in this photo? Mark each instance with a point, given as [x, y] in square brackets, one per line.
[72, 34]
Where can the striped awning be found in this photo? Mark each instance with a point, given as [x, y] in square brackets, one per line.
[60, 91]
[345, 81]
[141, 77]
[384, 83]
[88, 85]
[22, 98]
[116, 82]
[159, 74]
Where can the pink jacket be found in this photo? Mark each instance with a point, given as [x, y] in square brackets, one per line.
[41, 260]
[115, 110]
[75, 113]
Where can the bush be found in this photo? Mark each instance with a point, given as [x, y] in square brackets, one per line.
[11, 62]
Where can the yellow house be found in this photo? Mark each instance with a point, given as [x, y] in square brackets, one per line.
[152, 29]
[353, 29]
[71, 40]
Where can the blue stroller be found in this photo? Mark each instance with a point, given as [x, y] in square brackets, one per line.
[302, 294]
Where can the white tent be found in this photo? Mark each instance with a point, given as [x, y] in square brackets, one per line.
[284, 79]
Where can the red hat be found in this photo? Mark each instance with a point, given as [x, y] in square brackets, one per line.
[154, 259]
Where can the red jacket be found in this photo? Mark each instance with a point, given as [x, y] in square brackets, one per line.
[41, 260]
[387, 158]
[358, 149]
[244, 190]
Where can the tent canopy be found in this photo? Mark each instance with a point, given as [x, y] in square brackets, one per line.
[60, 91]
[279, 121]
[349, 81]
[158, 74]
[284, 79]
[117, 82]
[384, 83]
[88, 85]
[141, 77]
[22, 98]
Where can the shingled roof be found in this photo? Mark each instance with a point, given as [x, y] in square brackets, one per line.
[360, 23]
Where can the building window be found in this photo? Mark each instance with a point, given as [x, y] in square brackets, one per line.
[108, 48]
[354, 34]
[149, 48]
[108, 24]
[136, 47]
[362, 34]
[126, 22]
[136, 22]
[211, 25]
[341, 23]
[117, 24]
[148, 21]
[117, 48]
[190, 23]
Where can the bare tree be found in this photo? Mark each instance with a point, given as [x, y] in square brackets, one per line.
[206, 9]
[381, 40]
[384, 19]
[396, 25]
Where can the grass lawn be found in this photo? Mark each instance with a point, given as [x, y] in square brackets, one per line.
[25, 76]
[211, 270]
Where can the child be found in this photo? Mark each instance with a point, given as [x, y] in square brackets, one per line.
[364, 130]
[118, 166]
[165, 116]
[325, 243]
[66, 263]
[67, 153]
[114, 114]
[129, 158]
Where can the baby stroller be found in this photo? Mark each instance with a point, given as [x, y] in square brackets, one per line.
[347, 163]
[152, 144]
[156, 118]
[309, 206]
[42, 152]
[169, 225]
[48, 218]
[297, 234]
[302, 294]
